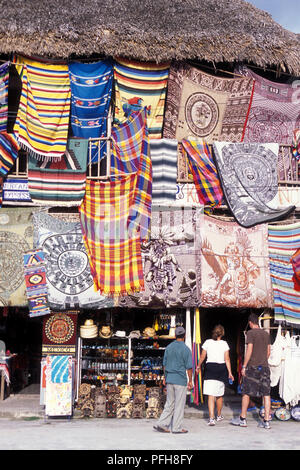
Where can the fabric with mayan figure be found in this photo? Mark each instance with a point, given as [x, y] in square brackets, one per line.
[59, 182]
[16, 238]
[60, 333]
[164, 171]
[43, 115]
[91, 88]
[36, 283]
[171, 261]
[9, 148]
[68, 272]
[59, 393]
[130, 154]
[139, 85]
[249, 179]
[204, 106]
[234, 265]
[4, 79]
[284, 241]
[114, 251]
[275, 110]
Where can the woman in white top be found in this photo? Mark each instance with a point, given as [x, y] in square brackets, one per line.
[217, 371]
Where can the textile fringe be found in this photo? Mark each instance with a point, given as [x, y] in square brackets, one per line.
[37, 156]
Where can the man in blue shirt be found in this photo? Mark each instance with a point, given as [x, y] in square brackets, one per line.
[178, 365]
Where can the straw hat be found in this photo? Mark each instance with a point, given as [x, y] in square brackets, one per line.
[88, 330]
[149, 332]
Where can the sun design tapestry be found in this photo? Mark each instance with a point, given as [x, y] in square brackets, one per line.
[171, 261]
[59, 393]
[275, 110]
[4, 78]
[68, 273]
[43, 115]
[60, 333]
[36, 284]
[284, 240]
[139, 85]
[206, 106]
[234, 265]
[91, 88]
[16, 238]
[62, 182]
[248, 175]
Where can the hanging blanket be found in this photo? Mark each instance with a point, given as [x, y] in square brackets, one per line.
[139, 85]
[248, 175]
[164, 168]
[16, 238]
[295, 260]
[205, 106]
[91, 87]
[284, 240]
[62, 182]
[234, 261]
[204, 172]
[36, 283]
[275, 110]
[9, 148]
[114, 252]
[43, 115]
[171, 261]
[4, 78]
[131, 154]
[60, 333]
[68, 274]
[59, 394]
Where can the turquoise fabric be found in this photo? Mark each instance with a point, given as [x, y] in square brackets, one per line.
[177, 359]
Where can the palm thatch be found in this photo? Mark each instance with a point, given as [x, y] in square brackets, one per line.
[152, 30]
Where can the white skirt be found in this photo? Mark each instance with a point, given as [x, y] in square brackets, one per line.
[216, 388]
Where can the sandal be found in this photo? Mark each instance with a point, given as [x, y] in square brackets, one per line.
[160, 429]
[183, 431]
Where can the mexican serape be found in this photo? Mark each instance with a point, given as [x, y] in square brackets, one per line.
[43, 115]
[164, 171]
[9, 148]
[4, 77]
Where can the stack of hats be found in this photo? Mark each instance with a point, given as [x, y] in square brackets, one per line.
[154, 403]
[139, 401]
[85, 402]
[88, 330]
[100, 403]
[113, 397]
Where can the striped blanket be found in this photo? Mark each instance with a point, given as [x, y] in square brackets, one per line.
[4, 77]
[131, 154]
[43, 115]
[59, 182]
[114, 254]
[139, 85]
[91, 87]
[9, 148]
[284, 240]
[164, 171]
[204, 172]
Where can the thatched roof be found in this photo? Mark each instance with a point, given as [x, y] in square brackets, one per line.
[155, 30]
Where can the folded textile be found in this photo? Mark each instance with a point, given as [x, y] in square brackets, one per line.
[9, 148]
[91, 88]
[234, 265]
[4, 77]
[114, 252]
[203, 105]
[274, 112]
[43, 115]
[131, 154]
[36, 283]
[283, 241]
[139, 85]
[59, 182]
[15, 191]
[164, 171]
[204, 172]
[248, 175]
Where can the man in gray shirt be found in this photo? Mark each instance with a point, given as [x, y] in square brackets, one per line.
[177, 364]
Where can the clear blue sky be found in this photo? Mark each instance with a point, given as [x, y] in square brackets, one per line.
[284, 12]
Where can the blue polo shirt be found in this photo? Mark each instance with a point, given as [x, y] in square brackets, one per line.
[177, 359]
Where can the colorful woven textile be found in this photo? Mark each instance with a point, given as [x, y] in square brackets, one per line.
[44, 109]
[204, 172]
[15, 192]
[9, 148]
[234, 265]
[4, 77]
[203, 105]
[91, 87]
[164, 171]
[295, 260]
[139, 85]
[114, 253]
[60, 333]
[248, 175]
[59, 182]
[131, 154]
[274, 112]
[296, 144]
[284, 240]
[36, 283]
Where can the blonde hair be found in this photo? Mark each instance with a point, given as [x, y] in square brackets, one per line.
[217, 332]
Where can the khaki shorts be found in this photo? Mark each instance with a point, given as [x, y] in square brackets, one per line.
[256, 382]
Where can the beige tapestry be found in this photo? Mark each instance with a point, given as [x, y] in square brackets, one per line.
[234, 265]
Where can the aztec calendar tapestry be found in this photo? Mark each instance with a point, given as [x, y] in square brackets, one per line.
[69, 279]
[59, 333]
